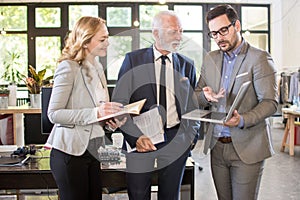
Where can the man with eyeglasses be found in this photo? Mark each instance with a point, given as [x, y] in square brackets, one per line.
[240, 145]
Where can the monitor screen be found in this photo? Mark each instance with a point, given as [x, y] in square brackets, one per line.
[46, 125]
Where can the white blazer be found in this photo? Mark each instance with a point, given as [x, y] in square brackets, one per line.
[72, 106]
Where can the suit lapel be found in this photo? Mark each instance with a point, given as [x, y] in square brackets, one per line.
[177, 74]
[216, 68]
[149, 58]
[237, 65]
[102, 79]
[88, 86]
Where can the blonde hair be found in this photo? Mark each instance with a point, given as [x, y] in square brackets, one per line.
[82, 33]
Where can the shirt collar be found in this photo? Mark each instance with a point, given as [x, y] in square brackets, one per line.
[157, 54]
[236, 51]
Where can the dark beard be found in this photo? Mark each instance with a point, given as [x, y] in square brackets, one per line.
[231, 47]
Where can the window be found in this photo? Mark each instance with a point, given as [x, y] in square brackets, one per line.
[47, 17]
[35, 32]
[192, 47]
[13, 40]
[190, 14]
[13, 18]
[77, 11]
[192, 44]
[51, 45]
[118, 17]
[119, 46]
[146, 14]
[255, 26]
[255, 29]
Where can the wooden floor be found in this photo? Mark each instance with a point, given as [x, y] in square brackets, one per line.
[280, 181]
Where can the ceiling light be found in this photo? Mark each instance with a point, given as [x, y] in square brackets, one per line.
[161, 1]
[136, 23]
[3, 32]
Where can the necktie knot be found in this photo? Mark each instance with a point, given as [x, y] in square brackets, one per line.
[163, 59]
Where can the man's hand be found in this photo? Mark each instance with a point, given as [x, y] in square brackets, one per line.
[211, 96]
[234, 120]
[144, 144]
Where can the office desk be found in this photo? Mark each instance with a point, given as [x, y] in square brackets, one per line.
[37, 175]
[18, 121]
[289, 130]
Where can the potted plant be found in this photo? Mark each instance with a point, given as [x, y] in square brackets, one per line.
[11, 68]
[36, 80]
[34, 83]
[12, 75]
[4, 93]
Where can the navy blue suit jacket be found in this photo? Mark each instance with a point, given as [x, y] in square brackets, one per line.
[137, 81]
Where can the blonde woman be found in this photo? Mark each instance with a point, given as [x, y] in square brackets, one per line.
[80, 96]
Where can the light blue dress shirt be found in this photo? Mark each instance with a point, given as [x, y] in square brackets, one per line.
[227, 69]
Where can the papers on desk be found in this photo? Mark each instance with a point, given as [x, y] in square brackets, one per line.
[120, 165]
[292, 110]
[7, 148]
[150, 124]
[13, 161]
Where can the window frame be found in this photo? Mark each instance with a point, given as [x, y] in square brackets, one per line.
[33, 32]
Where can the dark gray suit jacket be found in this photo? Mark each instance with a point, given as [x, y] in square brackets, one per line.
[136, 81]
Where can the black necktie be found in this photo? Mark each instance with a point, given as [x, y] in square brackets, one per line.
[162, 89]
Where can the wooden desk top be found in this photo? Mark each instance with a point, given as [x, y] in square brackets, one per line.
[20, 109]
[41, 164]
[37, 175]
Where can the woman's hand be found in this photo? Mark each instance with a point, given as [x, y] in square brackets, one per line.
[108, 108]
[115, 123]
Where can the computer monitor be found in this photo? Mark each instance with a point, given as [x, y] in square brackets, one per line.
[46, 125]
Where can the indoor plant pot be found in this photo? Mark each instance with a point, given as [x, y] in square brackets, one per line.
[4, 93]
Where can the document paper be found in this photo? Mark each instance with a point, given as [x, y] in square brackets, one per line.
[150, 124]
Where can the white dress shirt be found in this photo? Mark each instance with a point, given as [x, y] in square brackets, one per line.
[172, 115]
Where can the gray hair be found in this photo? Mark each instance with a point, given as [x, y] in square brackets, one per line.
[157, 20]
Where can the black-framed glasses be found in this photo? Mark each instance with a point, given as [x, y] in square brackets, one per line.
[222, 31]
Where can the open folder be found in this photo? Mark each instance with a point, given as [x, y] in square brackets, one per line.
[133, 109]
[219, 117]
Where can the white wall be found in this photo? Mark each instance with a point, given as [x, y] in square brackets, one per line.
[291, 33]
[276, 32]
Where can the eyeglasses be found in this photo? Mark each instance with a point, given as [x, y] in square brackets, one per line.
[222, 31]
